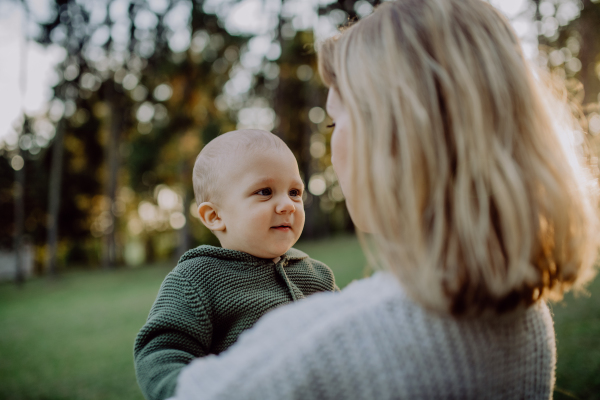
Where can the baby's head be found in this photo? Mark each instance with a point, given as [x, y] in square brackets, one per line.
[249, 192]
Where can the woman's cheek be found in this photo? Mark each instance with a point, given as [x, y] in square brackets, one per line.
[339, 159]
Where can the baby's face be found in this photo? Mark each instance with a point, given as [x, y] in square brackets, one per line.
[260, 203]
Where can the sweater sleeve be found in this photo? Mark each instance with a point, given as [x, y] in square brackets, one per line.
[274, 361]
[177, 330]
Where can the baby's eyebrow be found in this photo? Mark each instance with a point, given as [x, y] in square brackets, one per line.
[263, 181]
[269, 181]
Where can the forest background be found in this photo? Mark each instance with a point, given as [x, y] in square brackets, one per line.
[100, 174]
[95, 185]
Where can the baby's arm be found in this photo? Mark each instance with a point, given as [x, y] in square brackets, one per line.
[177, 331]
[326, 275]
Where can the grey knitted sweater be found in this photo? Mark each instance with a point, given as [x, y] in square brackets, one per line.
[212, 296]
[372, 342]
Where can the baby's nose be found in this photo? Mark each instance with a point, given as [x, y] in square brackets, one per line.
[285, 206]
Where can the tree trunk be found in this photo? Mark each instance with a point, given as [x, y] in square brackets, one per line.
[184, 232]
[54, 198]
[587, 26]
[109, 256]
[19, 222]
[20, 173]
[313, 226]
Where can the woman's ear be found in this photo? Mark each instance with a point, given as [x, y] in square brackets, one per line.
[210, 217]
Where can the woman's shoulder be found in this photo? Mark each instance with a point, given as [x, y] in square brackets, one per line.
[372, 341]
[380, 301]
[329, 308]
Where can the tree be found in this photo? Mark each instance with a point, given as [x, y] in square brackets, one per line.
[141, 89]
[107, 80]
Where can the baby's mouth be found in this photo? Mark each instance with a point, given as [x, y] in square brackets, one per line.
[282, 227]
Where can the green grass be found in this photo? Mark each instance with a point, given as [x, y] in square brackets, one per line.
[72, 339]
[342, 254]
[577, 325]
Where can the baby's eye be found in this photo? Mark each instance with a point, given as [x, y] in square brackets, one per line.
[332, 125]
[265, 192]
[295, 193]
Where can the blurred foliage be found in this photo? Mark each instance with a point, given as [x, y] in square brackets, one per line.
[133, 105]
[137, 95]
[570, 49]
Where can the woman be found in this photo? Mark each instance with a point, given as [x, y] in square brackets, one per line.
[450, 154]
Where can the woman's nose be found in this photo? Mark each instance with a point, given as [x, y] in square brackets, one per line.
[285, 206]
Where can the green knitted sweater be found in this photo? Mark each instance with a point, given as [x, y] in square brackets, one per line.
[208, 299]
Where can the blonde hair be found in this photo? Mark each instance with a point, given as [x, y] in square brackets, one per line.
[222, 149]
[458, 158]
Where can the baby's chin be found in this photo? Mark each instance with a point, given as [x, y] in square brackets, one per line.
[270, 253]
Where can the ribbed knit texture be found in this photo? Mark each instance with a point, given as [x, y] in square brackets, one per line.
[208, 299]
[372, 342]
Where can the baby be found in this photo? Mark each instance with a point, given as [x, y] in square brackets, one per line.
[249, 194]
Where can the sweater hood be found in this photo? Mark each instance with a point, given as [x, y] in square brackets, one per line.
[237, 256]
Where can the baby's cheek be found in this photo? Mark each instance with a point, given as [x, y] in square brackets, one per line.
[300, 212]
[299, 222]
[260, 217]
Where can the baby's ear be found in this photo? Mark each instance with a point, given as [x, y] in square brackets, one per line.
[210, 217]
